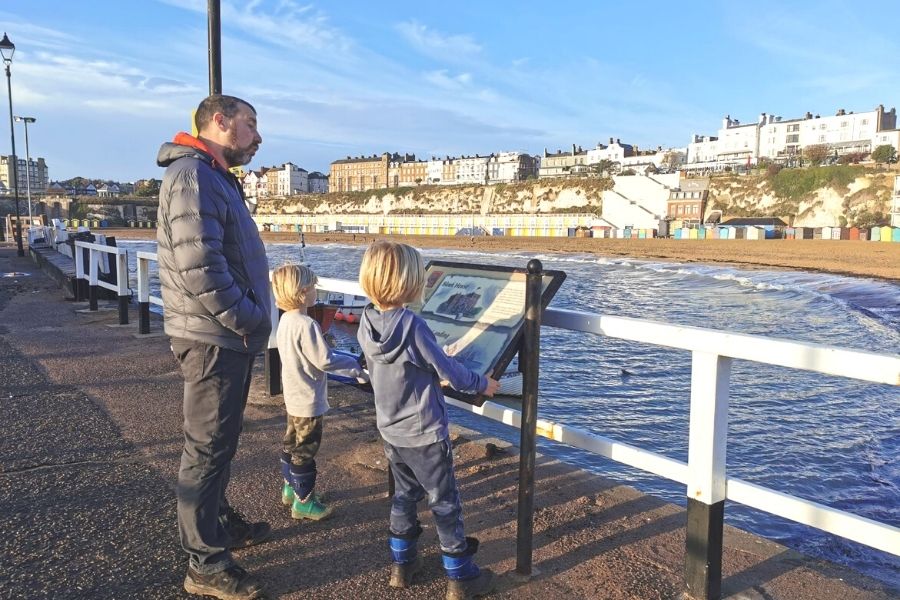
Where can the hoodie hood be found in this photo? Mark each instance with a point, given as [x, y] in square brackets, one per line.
[184, 145]
[388, 333]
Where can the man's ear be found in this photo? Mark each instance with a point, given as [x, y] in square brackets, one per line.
[221, 122]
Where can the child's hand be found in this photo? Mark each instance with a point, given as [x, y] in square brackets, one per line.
[492, 387]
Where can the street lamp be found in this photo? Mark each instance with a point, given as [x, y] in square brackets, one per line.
[27, 120]
[7, 49]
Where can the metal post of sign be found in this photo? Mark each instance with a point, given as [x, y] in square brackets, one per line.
[273, 371]
[531, 344]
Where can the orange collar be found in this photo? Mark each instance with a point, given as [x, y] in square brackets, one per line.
[182, 138]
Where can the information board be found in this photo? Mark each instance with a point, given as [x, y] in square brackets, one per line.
[476, 313]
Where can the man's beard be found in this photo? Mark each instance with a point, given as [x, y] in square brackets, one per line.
[235, 156]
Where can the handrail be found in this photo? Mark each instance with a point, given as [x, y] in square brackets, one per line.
[96, 251]
[712, 354]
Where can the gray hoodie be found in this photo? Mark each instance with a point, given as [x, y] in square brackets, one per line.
[406, 366]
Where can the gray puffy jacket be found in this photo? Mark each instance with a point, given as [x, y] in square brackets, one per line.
[212, 263]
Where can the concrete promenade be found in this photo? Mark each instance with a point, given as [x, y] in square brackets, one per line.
[89, 448]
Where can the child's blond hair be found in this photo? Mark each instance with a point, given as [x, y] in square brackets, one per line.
[392, 274]
[291, 284]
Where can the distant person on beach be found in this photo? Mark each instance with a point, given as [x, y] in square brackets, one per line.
[214, 277]
[305, 358]
[407, 365]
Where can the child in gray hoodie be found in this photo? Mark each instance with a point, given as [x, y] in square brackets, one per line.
[406, 366]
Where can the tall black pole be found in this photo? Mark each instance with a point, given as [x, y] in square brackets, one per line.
[529, 365]
[215, 47]
[14, 168]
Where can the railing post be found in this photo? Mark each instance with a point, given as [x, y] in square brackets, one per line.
[122, 284]
[272, 358]
[528, 356]
[93, 290]
[79, 272]
[710, 374]
[143, 283]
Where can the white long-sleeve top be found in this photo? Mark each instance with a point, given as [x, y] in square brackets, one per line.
[305, 358]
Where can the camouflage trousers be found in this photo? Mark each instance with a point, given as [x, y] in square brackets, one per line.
[302, 439]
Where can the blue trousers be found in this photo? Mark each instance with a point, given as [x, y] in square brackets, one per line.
[426, 471]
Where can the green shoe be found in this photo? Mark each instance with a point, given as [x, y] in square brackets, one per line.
[287, 494]
[313, 509]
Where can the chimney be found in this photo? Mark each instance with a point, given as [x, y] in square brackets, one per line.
[573, 149]
[545, 151]
[808, 115]
[762, 118]
[610, 140]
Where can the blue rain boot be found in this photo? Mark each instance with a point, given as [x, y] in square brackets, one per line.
[306, 504]
[466, 580]
[405, 558]
[287, 491]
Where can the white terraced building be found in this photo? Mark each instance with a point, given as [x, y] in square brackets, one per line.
[740, 144]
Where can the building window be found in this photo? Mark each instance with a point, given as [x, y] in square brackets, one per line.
[793, 139]
[821, 138]
[843, 123]
[795, 127]
[864, 122]
[822, 126]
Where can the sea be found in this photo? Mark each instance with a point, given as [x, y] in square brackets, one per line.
[831, 440]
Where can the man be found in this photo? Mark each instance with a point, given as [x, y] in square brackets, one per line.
[215, 286]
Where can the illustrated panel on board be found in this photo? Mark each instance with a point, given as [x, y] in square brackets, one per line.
[476, 313]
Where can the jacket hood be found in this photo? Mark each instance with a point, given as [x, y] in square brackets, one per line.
[184, 145]
[388, 333]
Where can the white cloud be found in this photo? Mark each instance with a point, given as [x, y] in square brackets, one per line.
[288, 24]
[450, 82]
[438, 45]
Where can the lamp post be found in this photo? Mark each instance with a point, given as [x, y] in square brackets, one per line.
[27, 120]
[7, 49]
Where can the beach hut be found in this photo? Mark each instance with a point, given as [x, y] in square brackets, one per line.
[754, 233]
[845, 233]
[875, 234]
[895, 234]
[886, 234]
[853, 233]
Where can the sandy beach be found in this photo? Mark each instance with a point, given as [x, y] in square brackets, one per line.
[865, 259]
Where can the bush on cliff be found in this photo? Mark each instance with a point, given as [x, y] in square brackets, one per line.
[794, 184]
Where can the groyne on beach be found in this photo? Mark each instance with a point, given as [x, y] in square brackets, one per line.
[89, 454]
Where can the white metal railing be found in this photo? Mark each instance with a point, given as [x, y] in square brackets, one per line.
[96, 253]
[712, 354]
[143, 278]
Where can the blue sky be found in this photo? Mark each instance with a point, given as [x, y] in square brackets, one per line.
[109, 80]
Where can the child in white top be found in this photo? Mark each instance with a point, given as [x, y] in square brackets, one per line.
[305, 359]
